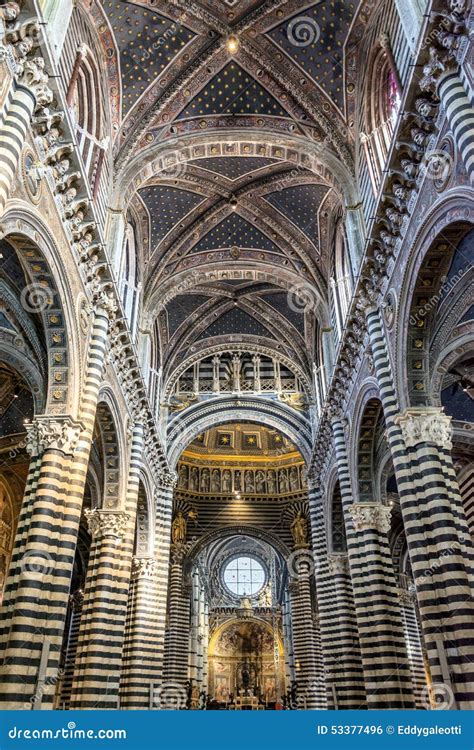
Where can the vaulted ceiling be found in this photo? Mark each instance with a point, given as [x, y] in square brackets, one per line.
[216, 108]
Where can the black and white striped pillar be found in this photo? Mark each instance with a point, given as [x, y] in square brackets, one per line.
[384, 656]
[39, 578]
[33, 614]
[460, 115]
[99, 652]
[101, 636]
[337, 620]
[13, 133]
[309, 678]
[414, 647]
[435, 532]
[176, 657]
[143, 643]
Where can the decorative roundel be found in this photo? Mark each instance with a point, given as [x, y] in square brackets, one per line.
[390, 309]
[244, 575]
[443, 164]
[30, 180]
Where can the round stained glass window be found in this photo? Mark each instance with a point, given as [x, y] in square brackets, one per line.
[244, 576]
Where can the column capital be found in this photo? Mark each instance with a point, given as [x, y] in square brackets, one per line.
[103, 297]
[53, 432]
[107, 523]
[166, 479]
[368, 516]
[144, 567]
[425, 424]
[338, 563]
[406, 598]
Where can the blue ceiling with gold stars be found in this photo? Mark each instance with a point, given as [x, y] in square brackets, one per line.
[314, 39]
[279, 301]
[181, 308]
[147, 43]
[233, 167]
[300, 204]
[235, 321]
[167, 206]
[235, 230]
[233, 92]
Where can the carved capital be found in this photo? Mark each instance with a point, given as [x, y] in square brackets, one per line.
[167, 479]
[425, 425]
[107, 523]
[53, 433]
[406, 598]
[103, 297]
[338, 564]
[365, 516]
[144, 567]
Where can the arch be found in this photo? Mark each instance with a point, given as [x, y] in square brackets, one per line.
[173, 154]
[209, 351]
[336, 530]
[188, 424]
[367, 418]
[207, 539]
[457, 349]
[111, 449]
[442, 223]
[45, 266]
[236, 621]
[258, 271]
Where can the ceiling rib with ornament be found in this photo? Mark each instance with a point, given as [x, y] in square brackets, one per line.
[235, 217]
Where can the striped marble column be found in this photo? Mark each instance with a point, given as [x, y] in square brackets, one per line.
[386, 671]
[310, 681]
[143, 643]
[144, 646]
[30, 92]
[460, 115]
[43, 554]
[15, 566]
[320, 690]
[442, 578]
[67, 667]
[414, 648]
[39, 580]
[12, 138]
[427, 436]
[101, 636]
[194, 651]
[337, 619]
[99, 651]
[176, 657]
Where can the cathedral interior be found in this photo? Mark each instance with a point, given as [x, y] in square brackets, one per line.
[236, 354]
